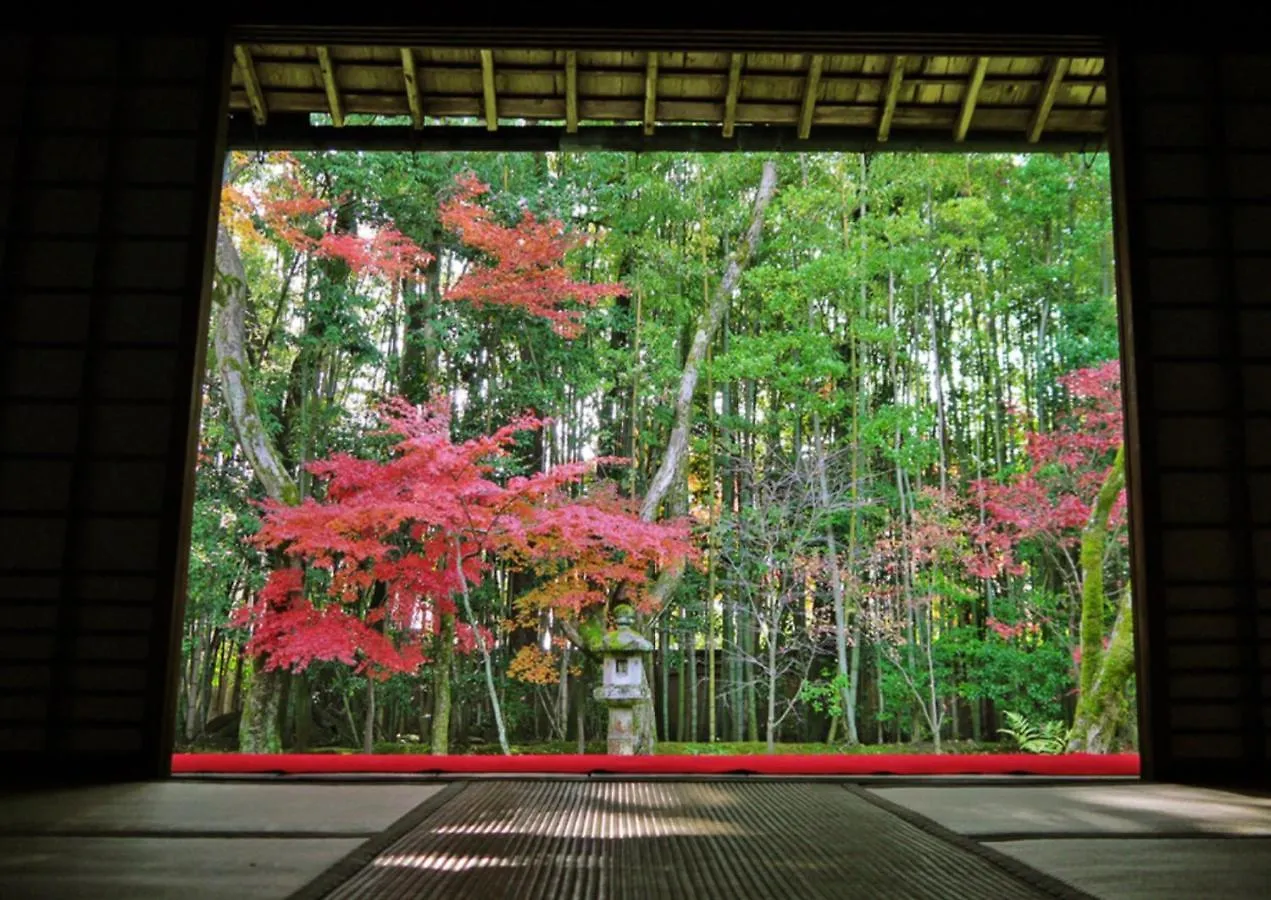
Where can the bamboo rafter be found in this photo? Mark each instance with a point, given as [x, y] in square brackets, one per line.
[410, 75]
[650, 92]
[487, 90]
[327, 68]
[969, 98]
[1054, 77]
[735, 62]
[892, 94]
[571, 91]
[251, 83]
[809, 95]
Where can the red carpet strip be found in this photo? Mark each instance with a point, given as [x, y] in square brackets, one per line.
[1076, 764]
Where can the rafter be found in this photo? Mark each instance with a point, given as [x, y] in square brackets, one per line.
[1050, 90]
[735, 61]
[487, 88]
[810, 86]
[410, 74]
[968, 99]
[650, 91]
[894, 80]
[251, 84]
[571, 91]
[329, 85]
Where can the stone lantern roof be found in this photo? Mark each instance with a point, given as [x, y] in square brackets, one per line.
[624, 639]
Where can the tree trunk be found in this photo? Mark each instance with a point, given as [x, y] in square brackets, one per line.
[691, 650]
[485, 653]
[223, 677]
[681, 712]
[258, 729]
[934, 706]
[664, 669]
[674, 456]
[847, 710]
[1101, 710]
[710, 645]
[236, 699]
[671, 468]
[229, 344]
[752, 693]
[368, 729]
[771, 724]
[443, 657]
[284, 709]
[1103, 676]
[259, 733]
[1094, 540]
[561, 726]
[418, 368]
[303, 705]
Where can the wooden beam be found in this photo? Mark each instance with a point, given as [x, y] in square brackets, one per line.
[411, 76]
[969, 98]
[889, 98]
[332, 89]
[735, 61]
[251, 84]
[650, 91]
[295, 133]
[571, 91]
[1058, 69]
[810, 86]
[487, 88]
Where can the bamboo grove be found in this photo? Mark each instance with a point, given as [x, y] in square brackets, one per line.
[850, 424]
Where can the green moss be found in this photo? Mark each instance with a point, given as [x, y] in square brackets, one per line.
[1094, 541]
[592, 630]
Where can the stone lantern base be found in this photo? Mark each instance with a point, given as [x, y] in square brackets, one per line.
[621, 701]
[622, 737]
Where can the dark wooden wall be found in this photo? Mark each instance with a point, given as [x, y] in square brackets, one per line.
[1195, 246]
[109, 152]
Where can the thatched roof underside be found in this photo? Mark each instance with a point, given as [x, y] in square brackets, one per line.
[1036, 102]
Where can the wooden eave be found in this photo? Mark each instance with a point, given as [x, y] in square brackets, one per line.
[668, 99]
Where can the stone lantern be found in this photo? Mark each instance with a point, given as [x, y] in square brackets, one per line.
[623, 684]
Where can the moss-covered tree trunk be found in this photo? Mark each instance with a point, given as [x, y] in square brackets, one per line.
[1103, 675]
[259, 731]
[1101, 710]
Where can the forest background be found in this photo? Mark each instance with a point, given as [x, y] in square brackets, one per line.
[846, 429]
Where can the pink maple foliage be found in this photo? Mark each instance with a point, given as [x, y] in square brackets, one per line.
[398, 524]
[1051, 500]
[523, 265]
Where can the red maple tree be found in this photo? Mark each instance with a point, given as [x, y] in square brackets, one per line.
[379, 559]
[423, 526]
[523, 265]
[1051, 501]
[282, 206]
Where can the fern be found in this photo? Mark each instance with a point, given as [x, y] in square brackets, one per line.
[1031, 737]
